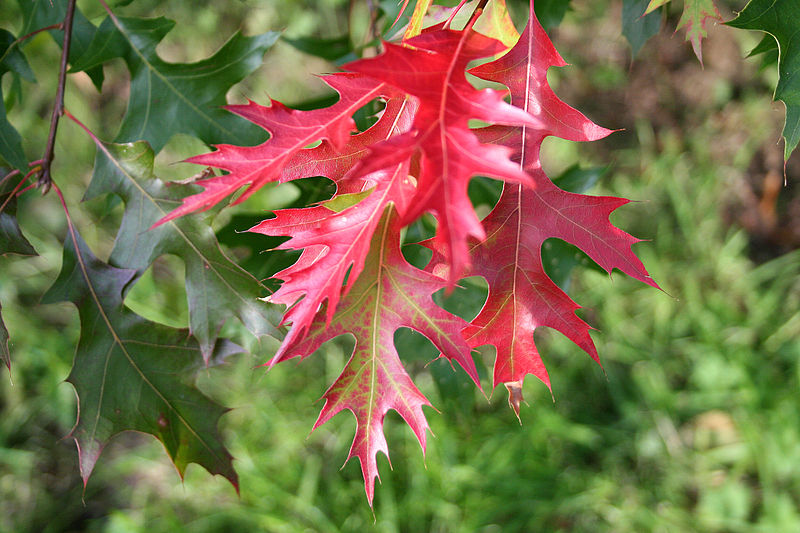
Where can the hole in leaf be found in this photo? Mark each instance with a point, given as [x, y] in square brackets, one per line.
[484, 194]
[168, 163]
[255, 252]
[367, 115]
[313, 190]
[467, 298]
[159, 295]
[413, 346]
[559, 258]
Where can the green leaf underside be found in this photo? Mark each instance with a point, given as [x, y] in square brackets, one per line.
[216, 287]
[10, 140]
[41, 13]
[11, 242]
[11, 239]
[133, 374]
[779, 19]
[169, 98]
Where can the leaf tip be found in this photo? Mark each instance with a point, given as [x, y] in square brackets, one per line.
[515, 397]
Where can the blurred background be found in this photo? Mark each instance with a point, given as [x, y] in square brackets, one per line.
[693, 424]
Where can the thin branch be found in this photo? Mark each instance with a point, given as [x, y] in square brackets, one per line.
[45, 178]
[83, 126]
[18, 40]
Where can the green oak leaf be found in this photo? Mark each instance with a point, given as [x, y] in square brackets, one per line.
[42, 13]
[133, 374]
[331, 49]
[551, 12]
[10, 141]
[767, 48]
[779, 18]
[216, 287]
[11, 239]
[636, 26]
[13, 60]
[169, 98]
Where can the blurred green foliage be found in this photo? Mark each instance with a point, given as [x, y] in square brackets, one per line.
[691, 425]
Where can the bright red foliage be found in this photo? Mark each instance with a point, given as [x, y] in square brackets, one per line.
[334, 242]
[290, 131]
[418, 158]
[521, 296]
[431, 67]
[389, 294]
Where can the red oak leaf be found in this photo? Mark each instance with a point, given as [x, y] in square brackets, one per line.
[291, 130]
[431, 67]
[335, 243]
[389, 294]
[521, 295]
[419, 157]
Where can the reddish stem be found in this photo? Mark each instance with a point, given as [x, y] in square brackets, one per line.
[83, 127]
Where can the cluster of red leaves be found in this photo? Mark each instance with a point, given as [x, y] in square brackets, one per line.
[418, 158]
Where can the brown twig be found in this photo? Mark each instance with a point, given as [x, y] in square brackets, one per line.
[45, 178]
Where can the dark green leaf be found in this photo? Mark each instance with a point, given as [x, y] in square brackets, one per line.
[132, 374]
[10, 141]
[579, 180]
[767, 48]
[13, 59]
[332, 49]
[637, 28]
[11, 239]
[767, 45]
[257, 252]
[38, 14]
[216, 287]
[559, 258]
[169, 98]
[484, 191]
[779, 19]
[551, 12]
